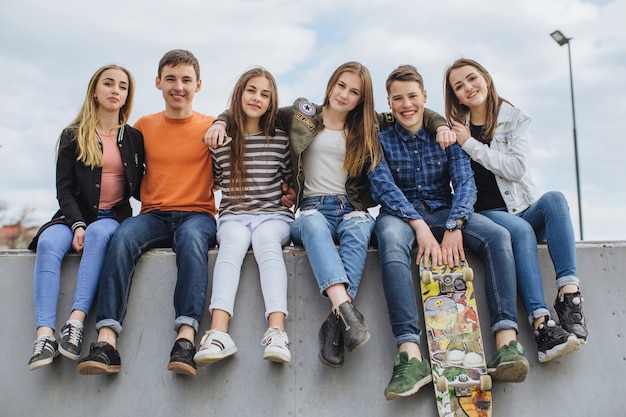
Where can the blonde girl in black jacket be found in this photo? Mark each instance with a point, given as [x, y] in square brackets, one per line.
[100, 163]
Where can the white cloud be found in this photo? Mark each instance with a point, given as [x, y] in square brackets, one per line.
[48, 51]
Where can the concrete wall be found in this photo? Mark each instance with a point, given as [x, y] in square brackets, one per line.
[586, 383]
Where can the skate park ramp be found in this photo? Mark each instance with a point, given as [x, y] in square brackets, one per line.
[585, 383]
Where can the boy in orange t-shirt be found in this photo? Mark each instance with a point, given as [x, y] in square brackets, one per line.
[178, 210]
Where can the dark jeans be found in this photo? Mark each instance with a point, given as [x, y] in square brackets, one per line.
[190, 234]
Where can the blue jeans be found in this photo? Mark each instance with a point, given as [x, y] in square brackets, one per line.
[53, 244]
[547, 218]
[190, 234]
[396, 240]
[325, 221]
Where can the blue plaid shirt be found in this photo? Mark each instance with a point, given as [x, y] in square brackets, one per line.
[417, 173]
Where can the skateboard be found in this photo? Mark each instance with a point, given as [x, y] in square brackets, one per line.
[457, 357]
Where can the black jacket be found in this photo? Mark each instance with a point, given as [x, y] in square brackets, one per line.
[78, 186]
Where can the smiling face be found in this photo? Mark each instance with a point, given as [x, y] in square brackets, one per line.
[346, 93]
[406, 100]
[178, 85]
[111, 90]
[256, 97]
[469, 86]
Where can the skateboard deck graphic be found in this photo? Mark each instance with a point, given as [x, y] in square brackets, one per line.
[457, 357]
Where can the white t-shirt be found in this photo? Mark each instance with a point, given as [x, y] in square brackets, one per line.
[323, 165]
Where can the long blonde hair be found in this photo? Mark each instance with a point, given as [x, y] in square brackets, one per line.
[237, 131]
[361, 126]
[84, 125]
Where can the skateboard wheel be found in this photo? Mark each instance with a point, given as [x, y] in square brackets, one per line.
[485, 383]
[442, 384]
[427, 277]
[468, 274]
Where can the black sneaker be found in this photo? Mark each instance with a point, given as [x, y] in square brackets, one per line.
[181, 358]
[553, 341]
[331, 340]
[353, 326]
[46, 348]
[569, 308]
[71, 341]
[102, 359]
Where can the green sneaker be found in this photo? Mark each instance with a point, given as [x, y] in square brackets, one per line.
[509, 363]
[408, 376]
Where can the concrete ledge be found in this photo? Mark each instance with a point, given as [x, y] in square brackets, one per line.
[245, 385]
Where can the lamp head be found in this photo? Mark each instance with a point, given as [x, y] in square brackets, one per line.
[559, 37]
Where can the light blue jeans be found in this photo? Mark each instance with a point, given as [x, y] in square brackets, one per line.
[267, 238]
[548, 220]
[324, 222]
[53, 244]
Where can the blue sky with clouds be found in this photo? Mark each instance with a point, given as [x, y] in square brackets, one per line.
[49, 50]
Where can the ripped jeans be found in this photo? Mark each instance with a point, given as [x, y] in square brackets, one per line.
[324, 222]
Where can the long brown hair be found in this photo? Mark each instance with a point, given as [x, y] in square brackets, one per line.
[459, 112]
[89, 151]
[236, 127]
[361, 127]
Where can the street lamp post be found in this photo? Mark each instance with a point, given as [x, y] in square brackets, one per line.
[563, 40]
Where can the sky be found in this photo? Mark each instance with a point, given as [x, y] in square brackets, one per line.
[50, 49]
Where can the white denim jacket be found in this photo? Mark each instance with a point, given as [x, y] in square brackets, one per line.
[508, 158]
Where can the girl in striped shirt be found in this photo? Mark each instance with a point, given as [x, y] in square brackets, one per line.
[250, 169]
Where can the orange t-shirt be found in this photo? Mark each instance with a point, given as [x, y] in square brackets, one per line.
[179, 171]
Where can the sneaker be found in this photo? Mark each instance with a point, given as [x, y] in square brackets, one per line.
[569, 308]
[181, 358]
[408, 376]
[103, 358]
[553, 341]
[331, 340]
[276, 345]
[509, 363]
[354, 327]
[46, 348]
[71, 340]
[214, 346]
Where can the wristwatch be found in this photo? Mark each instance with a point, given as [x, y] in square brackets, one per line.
[452, 225]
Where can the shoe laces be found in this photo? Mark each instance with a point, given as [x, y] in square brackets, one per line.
[401, 369]
[40, 345]
[74, 333]
[275, 336]
[207, 339]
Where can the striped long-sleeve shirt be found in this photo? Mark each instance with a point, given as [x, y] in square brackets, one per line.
[268, 162]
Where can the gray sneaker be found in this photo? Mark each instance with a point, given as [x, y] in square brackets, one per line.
[71, 341]
[46, 348]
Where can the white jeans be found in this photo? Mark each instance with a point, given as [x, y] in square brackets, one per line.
[267, 238]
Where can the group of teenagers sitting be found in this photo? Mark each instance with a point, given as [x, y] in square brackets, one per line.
[307, 174]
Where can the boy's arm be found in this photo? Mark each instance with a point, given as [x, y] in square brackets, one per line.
[436, 124]
[462, 178]
[393, 201]
[386, 192]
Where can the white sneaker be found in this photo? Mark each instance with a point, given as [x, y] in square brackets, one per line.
[276, 345]
[214, 346]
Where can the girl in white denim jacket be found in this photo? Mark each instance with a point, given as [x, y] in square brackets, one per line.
[496, 136]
